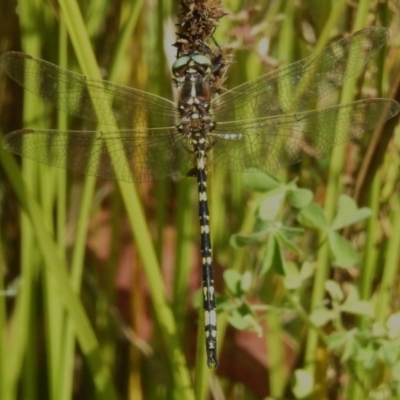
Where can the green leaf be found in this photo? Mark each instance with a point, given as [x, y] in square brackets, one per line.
[303, 384]
[344, 254]
[348, 213]
[299, 198]
[260, 181]
[390, 352]
[307, 270]
[393, 325]
[368, 355]
[334, 290]
[321, 316]
[224, 304]
[232, 281]
[245, 282]
[239, 240]
[271, 205]
[351, 346]
[354, 305]
[292, 278]
[273, 257]
[253, 324]
[243, 318]
[313, 216]
[345, 342]
[358, 307]
[237, 320]
[282, 237]
[337, 340]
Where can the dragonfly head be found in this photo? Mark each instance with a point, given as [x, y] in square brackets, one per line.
[188, 66]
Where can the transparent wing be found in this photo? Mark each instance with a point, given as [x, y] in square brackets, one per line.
[130, 155]
[74, 94]
[271, 143]
[296, 86]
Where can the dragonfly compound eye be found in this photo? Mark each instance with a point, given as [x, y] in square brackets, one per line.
[194, 62]
[180, 65]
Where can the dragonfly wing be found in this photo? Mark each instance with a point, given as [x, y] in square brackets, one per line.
[129, 155]
[95, 100]
[271, 143]
[298, 85]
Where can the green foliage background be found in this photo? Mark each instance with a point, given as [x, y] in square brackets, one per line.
[99, 277]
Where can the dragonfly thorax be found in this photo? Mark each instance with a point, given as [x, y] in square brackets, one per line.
[192, 78]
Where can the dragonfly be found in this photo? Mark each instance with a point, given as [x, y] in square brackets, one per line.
[263, 124]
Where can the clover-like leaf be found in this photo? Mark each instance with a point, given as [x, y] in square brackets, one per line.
[273, 256]
[241, 240]
[286, 241]
[307, 270]
[393, 325]
[358, 307]
[233, 281]
[271, 205]
[313, 216]
[245, 282]
[334, 290]
[303, 383]
[299, 198]
[292, 278]
[322, 316]
[343, 252]
[348, 213]
[337, 340]
[260, 182]
[390, 352]
[236, 319]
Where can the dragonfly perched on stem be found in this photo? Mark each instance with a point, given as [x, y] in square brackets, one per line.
[262, 124]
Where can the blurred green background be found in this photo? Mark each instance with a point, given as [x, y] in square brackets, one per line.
[100, 279]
